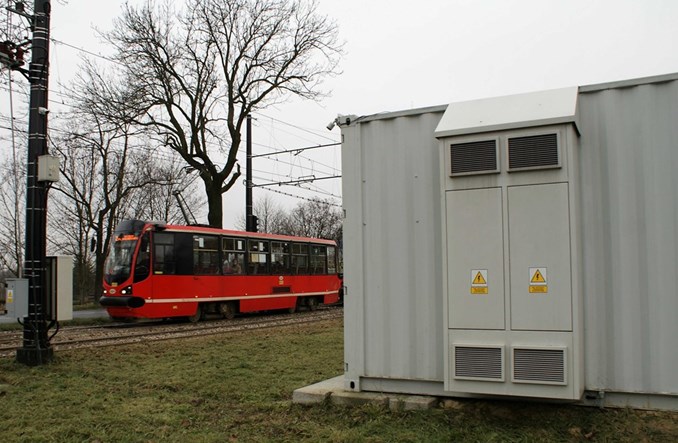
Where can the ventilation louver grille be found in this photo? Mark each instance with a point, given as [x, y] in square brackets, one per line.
[471, 362]
[474, 158]
[543, 366]
[536, 151]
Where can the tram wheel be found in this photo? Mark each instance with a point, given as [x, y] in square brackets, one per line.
[312, 303]
[227, 310]
[195, 318]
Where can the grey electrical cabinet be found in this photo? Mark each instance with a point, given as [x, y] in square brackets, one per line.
[16, 297]
[479, 238]
[59, 287]
[511, 265]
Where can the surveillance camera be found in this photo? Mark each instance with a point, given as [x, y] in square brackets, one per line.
[331, 125]
[43, 111]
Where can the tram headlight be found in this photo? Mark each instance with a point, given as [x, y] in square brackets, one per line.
[126, 291]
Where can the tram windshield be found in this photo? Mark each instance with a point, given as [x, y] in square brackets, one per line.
[118, 264]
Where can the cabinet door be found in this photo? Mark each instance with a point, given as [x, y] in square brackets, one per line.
[539, 250]
[475, 254]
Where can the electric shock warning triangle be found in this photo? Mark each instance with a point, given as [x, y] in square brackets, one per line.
[479, 279]
[537, 277]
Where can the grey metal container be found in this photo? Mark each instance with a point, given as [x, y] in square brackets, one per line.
[627, 220]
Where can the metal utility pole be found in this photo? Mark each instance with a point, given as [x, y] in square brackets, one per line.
[36, 349]
[250, 219]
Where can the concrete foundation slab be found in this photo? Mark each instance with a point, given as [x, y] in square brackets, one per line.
[411, 402]
[332, 390]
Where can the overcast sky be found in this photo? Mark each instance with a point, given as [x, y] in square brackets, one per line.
[408, 54]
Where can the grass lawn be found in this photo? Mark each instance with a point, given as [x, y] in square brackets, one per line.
[238, 387]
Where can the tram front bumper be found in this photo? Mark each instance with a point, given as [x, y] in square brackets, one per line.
[122, 302]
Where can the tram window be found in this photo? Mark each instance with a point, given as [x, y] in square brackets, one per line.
[280, 257]
[205, 255]
[331, 260]
[234, 256]
[318, 259]
[164, 261]
[258, 257]
[299, 258]
[183, 253]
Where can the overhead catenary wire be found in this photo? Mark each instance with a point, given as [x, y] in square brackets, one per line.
[57, 93]
[80, 49]
[297, 154]
[297, 150]
[264, 155]
[289, 180]
[296, 196]
[85, 51]
[331, 169]
[318, 134]
[300, 180]
[313, 162]
[317, 190]
[169, 157]
[336, 172]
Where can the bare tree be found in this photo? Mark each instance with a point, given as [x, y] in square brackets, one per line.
[71, 234]
[102, 165]
[108, 175]
[156, 201]
[193, 77]
[272, 218]
[315, 218]
[12, 214]
[12, 169]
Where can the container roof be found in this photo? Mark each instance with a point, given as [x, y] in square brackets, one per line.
[555, 106]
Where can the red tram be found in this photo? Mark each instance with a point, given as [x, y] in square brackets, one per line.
[154, 270]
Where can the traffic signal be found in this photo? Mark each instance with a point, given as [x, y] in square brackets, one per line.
[252, 223]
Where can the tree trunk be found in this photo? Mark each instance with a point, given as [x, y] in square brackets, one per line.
[215, 217]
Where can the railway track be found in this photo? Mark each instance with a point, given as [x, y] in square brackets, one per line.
[121, 334]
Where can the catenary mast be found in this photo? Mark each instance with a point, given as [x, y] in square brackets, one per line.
[36, 348]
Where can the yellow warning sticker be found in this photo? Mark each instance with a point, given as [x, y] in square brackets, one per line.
[534, 289]
[538, 281]
[10, 296]
[479, 282]
[537, 277]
